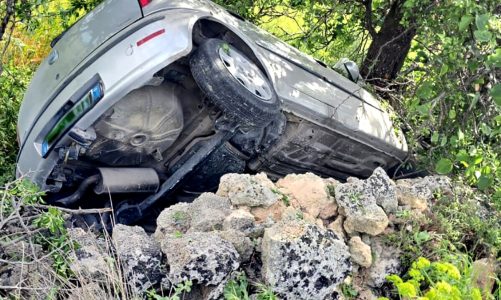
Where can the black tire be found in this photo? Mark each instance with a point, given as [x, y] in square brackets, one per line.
[226, 92]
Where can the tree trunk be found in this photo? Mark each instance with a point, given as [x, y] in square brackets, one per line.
[4, 23]
[389, 48]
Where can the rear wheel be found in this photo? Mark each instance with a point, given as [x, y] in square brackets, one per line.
[234, 83]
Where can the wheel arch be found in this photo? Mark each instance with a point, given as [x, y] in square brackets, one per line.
[206, 28]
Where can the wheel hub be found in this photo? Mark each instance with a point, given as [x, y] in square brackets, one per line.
[246, 73]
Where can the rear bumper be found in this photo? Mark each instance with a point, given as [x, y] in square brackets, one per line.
[123, 64]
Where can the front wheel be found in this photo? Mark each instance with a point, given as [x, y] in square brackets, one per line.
[234, 83]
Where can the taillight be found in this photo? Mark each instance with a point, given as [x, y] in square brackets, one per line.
[143, 3]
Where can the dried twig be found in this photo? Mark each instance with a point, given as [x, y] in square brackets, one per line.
[78, 211]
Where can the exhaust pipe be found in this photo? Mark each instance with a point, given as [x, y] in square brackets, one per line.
[116, 180]
[127, 180]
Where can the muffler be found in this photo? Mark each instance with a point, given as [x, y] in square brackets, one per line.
[127, 180]
[116, 180]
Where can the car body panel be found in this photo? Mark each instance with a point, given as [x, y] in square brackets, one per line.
[125, 71]
[307, 89]
[78, 42]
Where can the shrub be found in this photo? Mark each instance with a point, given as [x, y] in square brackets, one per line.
[442, 280]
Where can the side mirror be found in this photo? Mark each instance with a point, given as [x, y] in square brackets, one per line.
[348, 68]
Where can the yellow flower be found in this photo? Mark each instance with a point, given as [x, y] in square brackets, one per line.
[447, 269]
[421, 263]
[416, 275]
[406, 289]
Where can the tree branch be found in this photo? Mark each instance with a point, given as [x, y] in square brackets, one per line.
[368, 17]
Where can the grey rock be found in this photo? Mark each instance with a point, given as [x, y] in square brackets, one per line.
[483, 274]
[208, 212]
[438, 183]
[302, 261]
[337, 227]
[385, 262]
[90, 260]
[413, 197]
[245, 190]
[140, 257]
[383, 190]
[360, 208]
[240, 241]
[33, 273]
[203, 257]
[417, 193]
[172, 220]
[240, 220]
[360, 252]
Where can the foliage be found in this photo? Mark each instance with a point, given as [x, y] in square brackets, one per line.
[57, 242]
[21, 197]
[349, 292]
[437, 280]
[454, 121]
[285, 199]
[238, 289]
[13, 82]
[469, 223]
[176, 294]
[411, 236]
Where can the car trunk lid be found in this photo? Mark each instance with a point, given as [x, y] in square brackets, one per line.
[71, 48]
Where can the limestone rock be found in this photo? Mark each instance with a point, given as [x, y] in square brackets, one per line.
[360, 252]
[32, 277]
[263, 179]
[242, 243]
[412, 196]
[173, 219]
[273, 212]
[362, 213]
[438, 183]
[240, 220]
[140, 257]
[302, 261]
[245, 190]
[418, 192]
[383, 190]
[89, 261]
[386, 262]
[483, 274]
[337, 227]
[208, 212]
[311, 193]
[203, 257]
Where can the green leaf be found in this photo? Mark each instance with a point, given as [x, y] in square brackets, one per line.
[425, 91]
[495, 58]
[482, 21]
[496, 94]
[443, 142]
[465, 21]
[452, 114]
[444, 69]
[444, 166]
[482, 35]
[424, 109]
[434, 137]
[460, 134]
[484, 182]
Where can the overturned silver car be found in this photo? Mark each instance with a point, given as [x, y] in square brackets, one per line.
[151, 101]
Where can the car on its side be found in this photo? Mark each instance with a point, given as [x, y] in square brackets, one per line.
[149, 100]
